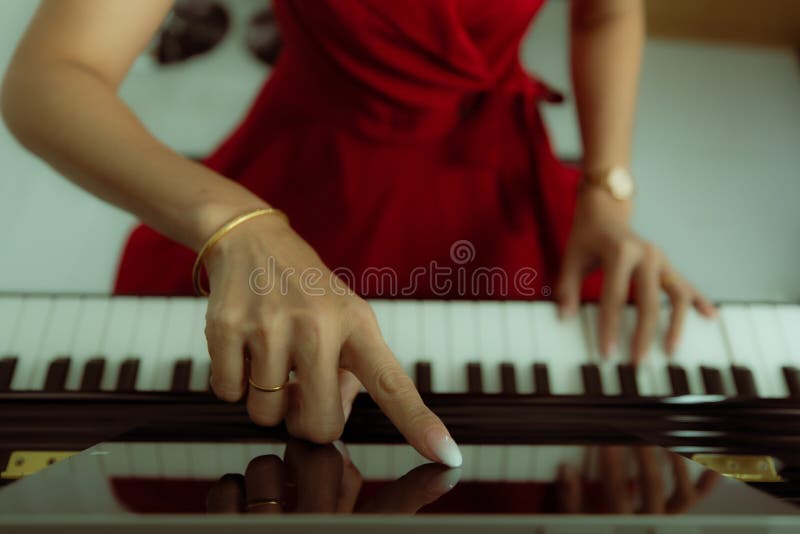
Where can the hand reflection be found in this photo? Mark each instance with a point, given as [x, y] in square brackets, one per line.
[621, 496]
[319, 479]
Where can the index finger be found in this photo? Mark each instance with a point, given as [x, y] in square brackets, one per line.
[371, 360]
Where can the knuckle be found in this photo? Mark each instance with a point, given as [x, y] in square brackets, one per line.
[222, 324]
[360, 314]
[309, 330]
[262, 330]
[651, 254]
[624, 248]
[226, 391]
[629, 249]
[392, 380]
[682, 297]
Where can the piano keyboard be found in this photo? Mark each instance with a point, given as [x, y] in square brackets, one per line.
[128, 344]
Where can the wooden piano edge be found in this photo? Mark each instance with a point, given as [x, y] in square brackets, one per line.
[471, 418]
[76, 421]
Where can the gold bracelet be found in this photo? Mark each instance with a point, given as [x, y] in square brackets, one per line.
[219, 234]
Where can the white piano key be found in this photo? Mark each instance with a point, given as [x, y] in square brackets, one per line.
[404, 459]
[657, 361]
[405, 329]
[789, 320]
[550, 457]
[198, 348]
[379, 462]
[147, 339]
[518, 461]
[146, 460]
[462, 331]
[644, 373]
[607, 364]
[174, 459]
[118, 338]
[703, 344]
[384, 311]
[358, 456]
[94, 315]
[492, 344]
[176, 341]
[10, 310]
[520, 333]
[204, 461]
[114, 459]
[491, 465]
[435, 345]
[58, 337]
[26, 340]
[742, 347]
[232, 458]
[772, 348]
[561, 344]
[471, 457]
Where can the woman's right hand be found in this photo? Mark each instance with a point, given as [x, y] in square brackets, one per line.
[274, 307]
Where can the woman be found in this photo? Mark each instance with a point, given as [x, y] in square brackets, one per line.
[388, 131]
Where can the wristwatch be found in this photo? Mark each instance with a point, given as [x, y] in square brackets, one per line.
[618, 181]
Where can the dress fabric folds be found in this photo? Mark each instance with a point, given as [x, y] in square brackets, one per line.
[404, 141]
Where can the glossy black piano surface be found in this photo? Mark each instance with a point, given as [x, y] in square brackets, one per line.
[280, 477]
[532, 464]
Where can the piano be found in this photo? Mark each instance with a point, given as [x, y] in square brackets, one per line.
[76, 371]
[144, 344]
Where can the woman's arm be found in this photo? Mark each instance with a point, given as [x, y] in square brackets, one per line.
[59, 98]
[607, 38]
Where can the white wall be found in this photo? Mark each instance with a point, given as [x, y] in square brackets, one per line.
[716, 157]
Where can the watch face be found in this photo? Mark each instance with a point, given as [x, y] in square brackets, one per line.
[620, 182]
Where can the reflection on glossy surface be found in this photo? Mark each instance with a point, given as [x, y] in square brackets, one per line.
[647, 493]
[322, 479]
[276, 478]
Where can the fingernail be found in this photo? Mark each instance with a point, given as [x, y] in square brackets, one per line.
[444, 448]
[444, 481]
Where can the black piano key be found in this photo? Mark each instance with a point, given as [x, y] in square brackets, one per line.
[56, 377]
[678, 380]
[181, 375]
[422, 370]
[592, 385]
[743, 379]
[474, 378]
[7, 366]
[541, 379]
[93, 374]
[790, 374]
[508, 379]
[126, 380]
[627, 380]
[712, 380]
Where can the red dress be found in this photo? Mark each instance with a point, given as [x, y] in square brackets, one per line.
[403, 136]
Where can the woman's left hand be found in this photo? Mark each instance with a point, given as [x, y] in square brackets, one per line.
[602, 237]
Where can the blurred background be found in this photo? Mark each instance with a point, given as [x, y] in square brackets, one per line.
[717, 142]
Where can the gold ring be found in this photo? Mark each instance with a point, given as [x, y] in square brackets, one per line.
[262, 502]
[266, 389]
